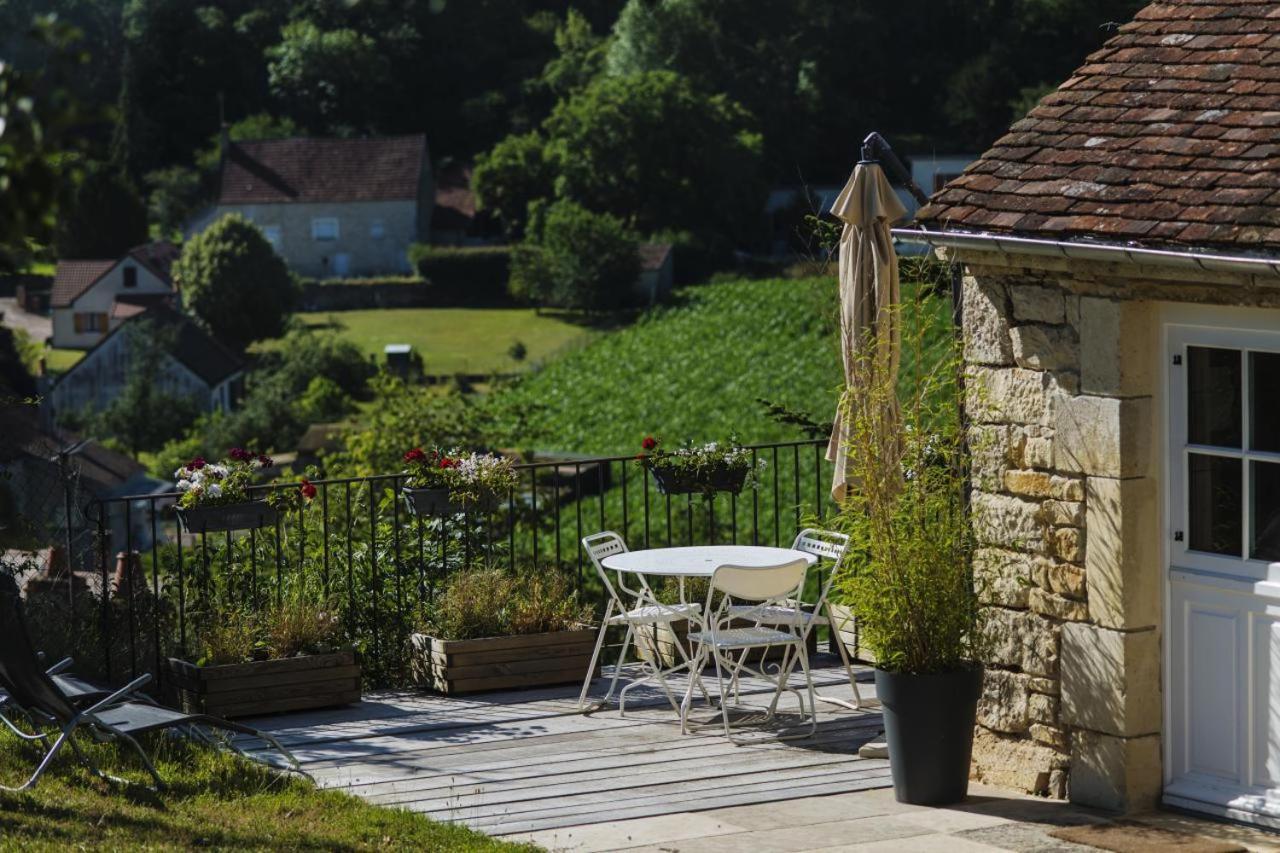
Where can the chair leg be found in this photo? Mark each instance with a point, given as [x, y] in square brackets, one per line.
[44, 764]
[595, 656]
[808, 678]
[622, 659]
[699, 659]
[11, 726]
[844, 656]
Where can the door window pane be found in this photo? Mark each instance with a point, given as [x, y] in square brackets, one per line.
[1264, 480]
[1213, 396]
[1215, 492]
[1264, 399]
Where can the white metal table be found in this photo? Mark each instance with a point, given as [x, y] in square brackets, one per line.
[701, 561]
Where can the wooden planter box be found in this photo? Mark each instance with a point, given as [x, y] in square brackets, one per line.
[248, 515]
[846, 630]
[265, 687]
[501, 663]
[671, 634]
[672, 483]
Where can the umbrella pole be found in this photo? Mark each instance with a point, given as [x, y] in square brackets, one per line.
[875, 147]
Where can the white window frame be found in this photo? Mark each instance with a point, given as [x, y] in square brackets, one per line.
[320, 224]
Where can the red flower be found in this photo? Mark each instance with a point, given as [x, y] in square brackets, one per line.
[196, 464]
[265, 461]
[649, 442]
[239, 454]
[446, 462]
[307, 488]
[415, 455]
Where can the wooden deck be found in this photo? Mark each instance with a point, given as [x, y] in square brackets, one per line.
[529, 761]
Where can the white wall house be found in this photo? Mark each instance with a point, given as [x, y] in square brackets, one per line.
[91, 298]
[198, 367]
[332, 208]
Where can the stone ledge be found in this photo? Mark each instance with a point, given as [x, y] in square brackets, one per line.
[1103, 436]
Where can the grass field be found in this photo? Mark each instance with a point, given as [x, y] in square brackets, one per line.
[457, 340]
[61, 360]
[213, 802]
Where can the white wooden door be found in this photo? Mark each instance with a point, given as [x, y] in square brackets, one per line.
[1222, 750]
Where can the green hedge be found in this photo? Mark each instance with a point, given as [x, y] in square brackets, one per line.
[474, 275]
[372, 281]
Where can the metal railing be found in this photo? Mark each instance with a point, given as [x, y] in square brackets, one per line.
[144, 590]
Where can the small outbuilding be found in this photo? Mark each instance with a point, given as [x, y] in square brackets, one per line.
[1120, 250]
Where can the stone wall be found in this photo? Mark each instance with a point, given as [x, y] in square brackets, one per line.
[1059, 397]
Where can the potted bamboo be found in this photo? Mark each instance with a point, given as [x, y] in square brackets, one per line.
[911, 591]
[215, 495]
[493, 630]
[703, 469]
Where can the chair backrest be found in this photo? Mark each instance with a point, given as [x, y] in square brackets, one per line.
[599, 546]
[756, 584]
[21, 673]
[823, 544]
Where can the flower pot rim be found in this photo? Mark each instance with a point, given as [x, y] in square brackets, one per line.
[345, 650]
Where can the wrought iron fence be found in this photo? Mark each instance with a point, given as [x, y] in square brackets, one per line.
[143, 589]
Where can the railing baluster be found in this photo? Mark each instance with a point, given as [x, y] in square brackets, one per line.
[106, 589]
[795, 473]
[324, 533]
[351, 577]
[817, 480]
[777, 514]
[646, 509]
[577, 501]
[155, 593]
[127, 582]
[626, 528]
[533, 496]
[182, 595]
[374, 585]
[755, 501]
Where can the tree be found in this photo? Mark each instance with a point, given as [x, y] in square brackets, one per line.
[104, 217]
[580, 59]
[235, 283]
[143, 417]
[574, 258]
[509, 177]
[330, 80]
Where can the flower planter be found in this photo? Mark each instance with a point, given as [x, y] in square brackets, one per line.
[670, 635]
[248, 515]
[500, 663]
[845, 630]
[431, 503]
[265, 687]
[928, 726]
[671, 482]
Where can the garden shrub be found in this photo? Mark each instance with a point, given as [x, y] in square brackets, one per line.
[575, 258]
[473, 275]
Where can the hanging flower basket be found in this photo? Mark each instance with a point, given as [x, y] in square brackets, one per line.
[676, 482]
[439, 483]
[248, 515]
[431, 503]
[701, 469]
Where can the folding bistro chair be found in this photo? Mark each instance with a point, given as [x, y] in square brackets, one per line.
[764, 588]
[633, 607]
[78, 690]
[829, 546]
[113, 717]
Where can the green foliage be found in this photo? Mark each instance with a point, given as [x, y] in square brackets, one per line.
[489, 602]
[908, 580]
[104, 217]
[324, 401]
[580, 59]
[470, 275]
[174, 194]
[328, 79]
[511, 176]
[577, 259]
[235, 283]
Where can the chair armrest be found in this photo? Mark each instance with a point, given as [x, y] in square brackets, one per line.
[132, 687]
[61, 666]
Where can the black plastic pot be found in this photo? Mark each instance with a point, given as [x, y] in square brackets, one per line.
[683, 483]
[249, 515]
[928, 726]
[431, 503]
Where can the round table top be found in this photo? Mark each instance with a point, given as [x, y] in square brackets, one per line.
[701, 561]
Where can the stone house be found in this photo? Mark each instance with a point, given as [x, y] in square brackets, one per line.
[198, 367]
[1120, 253]
[90, 298]
[332, 208]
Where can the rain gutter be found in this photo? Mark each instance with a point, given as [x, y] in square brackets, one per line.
[1006, 244]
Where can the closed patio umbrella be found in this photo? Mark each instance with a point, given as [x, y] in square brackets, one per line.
[868, 301]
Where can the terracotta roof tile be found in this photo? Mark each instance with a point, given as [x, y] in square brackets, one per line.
[72, 278]
[1168, 134]
[309, 170]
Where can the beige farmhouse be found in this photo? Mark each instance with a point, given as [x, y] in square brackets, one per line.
[1120, 250]
[90, 298]
[332, 208]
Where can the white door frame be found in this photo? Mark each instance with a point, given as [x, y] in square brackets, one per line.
[1222, 580]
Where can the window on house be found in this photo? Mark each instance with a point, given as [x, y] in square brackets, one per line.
[377, 229]
[273, 235]
[86, 321]
[130, 276]
[324, 228]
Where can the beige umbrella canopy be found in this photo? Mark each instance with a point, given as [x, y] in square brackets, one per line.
[868, 302]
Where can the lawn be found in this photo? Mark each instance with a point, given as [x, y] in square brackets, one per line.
[61, 360]
[458, 340]
[214, 802]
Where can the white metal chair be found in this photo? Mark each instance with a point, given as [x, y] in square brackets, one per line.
[766, 589]
[634, 606]
[826, 545]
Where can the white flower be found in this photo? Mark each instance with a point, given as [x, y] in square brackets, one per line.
[181, 473]
[215, 491]
[218, 471]
[184, 485]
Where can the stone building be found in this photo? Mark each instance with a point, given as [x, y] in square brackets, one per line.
[332, 208]
[1120, 249]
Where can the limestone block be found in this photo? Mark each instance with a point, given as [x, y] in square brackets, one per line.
[1014, 762]
[1048, 686]
[1122, 563]
[1056, 606]
[1007, 395]
[1032, 484]
[1116, 773]
[1041, 569]
[1103, 436]
[1073, 310]
[1110, 680]
[989, 452]
[1061, 513]
[1067, 488]
[1004, 703]
[1007, 522]
[1045, 348]
[1002, 577]
[1017, 638]
[1034, 304]
[1038, 453]
[986, 324]
[1117, 347]
[1068, 544]
[1049, 736]
[1067, 580]
[1042, 708]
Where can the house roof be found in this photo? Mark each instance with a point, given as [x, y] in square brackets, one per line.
[1167, 136]
[455, 203]
[72, 279]
[128, 305]
[310, 170]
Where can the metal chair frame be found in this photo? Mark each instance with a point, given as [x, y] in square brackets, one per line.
[634, 607]
[766, 589]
